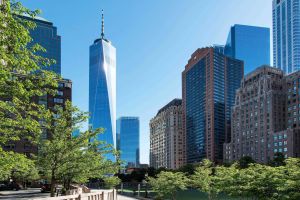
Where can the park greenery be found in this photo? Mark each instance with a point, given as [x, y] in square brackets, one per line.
[62, 158]
[166, 184]
[254, 181]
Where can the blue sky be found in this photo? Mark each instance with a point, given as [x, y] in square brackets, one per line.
[154, 40]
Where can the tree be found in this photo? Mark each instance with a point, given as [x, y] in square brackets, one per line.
[246, 161]
[111, 182]
[278, 160]
[16, 166]
[290, 187]
[168, 183]
[188, 169]
[21, 80]
[72, 159]
[203, 179]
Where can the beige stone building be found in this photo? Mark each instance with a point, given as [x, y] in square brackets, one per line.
[167, 142]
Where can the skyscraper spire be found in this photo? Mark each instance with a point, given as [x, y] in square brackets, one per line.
[102, 28]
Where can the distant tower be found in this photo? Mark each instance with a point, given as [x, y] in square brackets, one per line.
[102, 88]
[286, 35]
[128, 143]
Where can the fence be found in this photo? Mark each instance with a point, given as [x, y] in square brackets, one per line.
[86, 196]
[131, 189]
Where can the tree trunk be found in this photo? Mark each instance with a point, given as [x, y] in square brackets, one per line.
[52, 184]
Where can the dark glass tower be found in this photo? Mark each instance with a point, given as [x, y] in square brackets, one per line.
[250, 44]
[128, 134]
[45, 34]
[102, 89]
[209, 82]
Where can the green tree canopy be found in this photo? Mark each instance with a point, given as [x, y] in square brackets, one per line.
[72, 159]
[203, 179]
[167, 184]
[21, 80]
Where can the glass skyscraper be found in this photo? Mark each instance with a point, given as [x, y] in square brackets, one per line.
[102, 89]
[45, 34]
[128, 134]
[286, 35]
[209, 82]
[250, 44]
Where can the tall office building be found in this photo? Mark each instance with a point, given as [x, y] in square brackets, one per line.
[102, 89]
[209, 82]
[266, 116]
[128, 134]
[250, 44]
[258, 111]
[45, 34]
[167, 142]
[286, 35]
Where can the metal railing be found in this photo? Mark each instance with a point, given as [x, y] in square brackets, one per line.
[87, 196]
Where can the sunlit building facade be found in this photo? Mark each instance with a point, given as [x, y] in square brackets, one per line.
[167, 141]
[286, 35]
[102, 90]
[250, 44]
[128, 134]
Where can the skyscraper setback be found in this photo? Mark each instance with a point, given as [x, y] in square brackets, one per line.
[209, 82]
[250, 44]
[286, 35]
[102, 89]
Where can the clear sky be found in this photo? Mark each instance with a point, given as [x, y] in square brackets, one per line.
[154, 40]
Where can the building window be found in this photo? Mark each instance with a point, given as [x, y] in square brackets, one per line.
[60, 93]
[61, 85]
[58, 100]
[285, 149]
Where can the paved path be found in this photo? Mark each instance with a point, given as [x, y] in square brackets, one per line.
[22, 194]
[32, 194]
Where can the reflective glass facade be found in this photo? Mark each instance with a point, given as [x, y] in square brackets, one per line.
[45, 34]
[128, 134]
[102, 90]
[286, 35]
[209, 83]
[195, 112]
[250, 44]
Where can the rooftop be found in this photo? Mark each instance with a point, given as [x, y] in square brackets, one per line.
[174, 102]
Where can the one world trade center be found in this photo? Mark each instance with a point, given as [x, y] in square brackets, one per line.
[102, 89]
